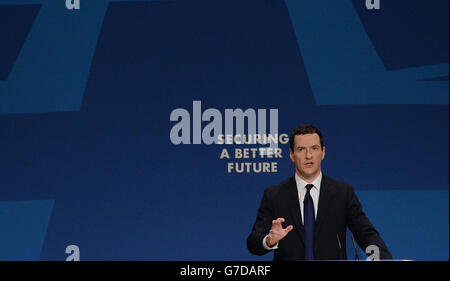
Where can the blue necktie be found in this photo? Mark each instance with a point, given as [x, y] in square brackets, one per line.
[309, 217]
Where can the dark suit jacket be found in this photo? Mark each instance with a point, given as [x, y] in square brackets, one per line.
[338, 208]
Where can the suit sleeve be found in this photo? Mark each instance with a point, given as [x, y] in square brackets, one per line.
[363, 231]
[261, 227]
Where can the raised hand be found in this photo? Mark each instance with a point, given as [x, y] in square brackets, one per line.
[277, 232]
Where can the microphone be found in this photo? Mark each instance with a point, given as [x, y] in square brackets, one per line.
[354, 246]
[340, 247]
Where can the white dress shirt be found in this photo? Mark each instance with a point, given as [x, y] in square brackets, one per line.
[301, 190]
[315, 191]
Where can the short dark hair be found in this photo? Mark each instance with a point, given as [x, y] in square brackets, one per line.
[303, 130]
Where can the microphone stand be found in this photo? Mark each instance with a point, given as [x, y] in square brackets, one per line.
[354, 246]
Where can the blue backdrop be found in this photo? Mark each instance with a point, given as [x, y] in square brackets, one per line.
[86, 94]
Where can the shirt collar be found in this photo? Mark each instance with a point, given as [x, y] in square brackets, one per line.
[301, 184]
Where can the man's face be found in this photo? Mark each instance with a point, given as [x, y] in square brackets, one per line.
[307, 156]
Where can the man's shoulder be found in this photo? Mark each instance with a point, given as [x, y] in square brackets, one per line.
[288, 183]
[333, 181]
[337, 185]
[282, 186]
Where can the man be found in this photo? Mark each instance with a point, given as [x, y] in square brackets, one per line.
[305, 217]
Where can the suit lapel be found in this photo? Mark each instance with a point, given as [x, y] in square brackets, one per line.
[294, 207]
[325, 197]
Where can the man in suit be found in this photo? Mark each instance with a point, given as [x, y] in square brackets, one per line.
[305, 217]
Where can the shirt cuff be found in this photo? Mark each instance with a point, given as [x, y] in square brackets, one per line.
[267, 247]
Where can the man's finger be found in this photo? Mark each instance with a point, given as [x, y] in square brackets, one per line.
[276, 223]
[289, 228]
[280, 219]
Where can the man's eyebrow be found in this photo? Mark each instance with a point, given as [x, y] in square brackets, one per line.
[315, 145]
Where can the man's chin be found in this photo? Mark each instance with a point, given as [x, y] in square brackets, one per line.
[309, 176]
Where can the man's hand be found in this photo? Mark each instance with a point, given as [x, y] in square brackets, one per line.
[277, 232]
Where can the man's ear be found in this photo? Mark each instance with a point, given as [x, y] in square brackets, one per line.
[291, 155]
[323, 152]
